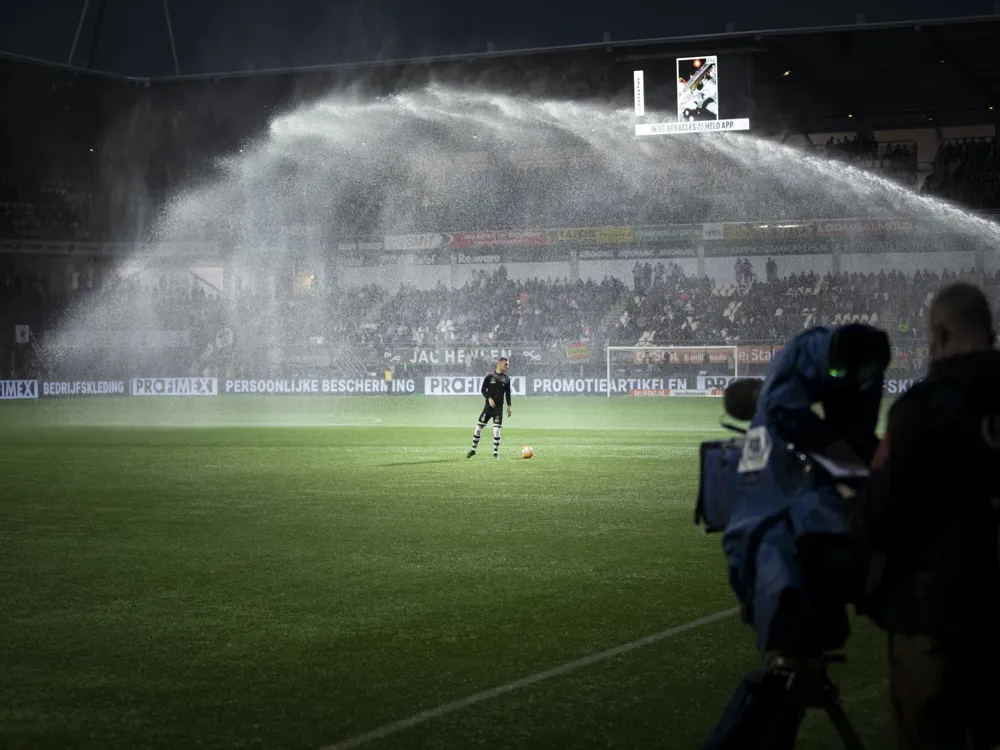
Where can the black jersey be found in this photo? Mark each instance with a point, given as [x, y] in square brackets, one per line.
[496, 386]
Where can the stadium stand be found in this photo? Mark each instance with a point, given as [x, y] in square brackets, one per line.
[896, 160]
[65, 176]
[44, 210]
[967, 171]
[662, 307]
[682, 310]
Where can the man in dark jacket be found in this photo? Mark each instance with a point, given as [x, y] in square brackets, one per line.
[931, 517]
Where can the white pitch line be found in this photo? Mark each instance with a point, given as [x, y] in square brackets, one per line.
[433, 713]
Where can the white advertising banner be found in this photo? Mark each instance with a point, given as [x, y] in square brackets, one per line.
[582, 386]
[712, 382]
[85, 388]
[703, 126]
[460, 355]
[15, 390]
[175, 386]
[114, 339]
[897, 387]
[320, 386]
[466, 385]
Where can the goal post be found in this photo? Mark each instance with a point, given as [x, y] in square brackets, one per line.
[670, 370]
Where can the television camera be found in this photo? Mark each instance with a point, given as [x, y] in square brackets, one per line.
[780, 494]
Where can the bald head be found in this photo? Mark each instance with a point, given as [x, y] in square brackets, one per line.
[960, 322]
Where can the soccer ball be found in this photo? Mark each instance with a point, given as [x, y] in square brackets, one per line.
[526, 452]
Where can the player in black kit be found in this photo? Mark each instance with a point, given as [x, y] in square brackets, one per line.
[496, 386]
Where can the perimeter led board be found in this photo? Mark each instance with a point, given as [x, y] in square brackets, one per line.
[705, 99]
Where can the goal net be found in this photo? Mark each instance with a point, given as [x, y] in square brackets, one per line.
[670, 370]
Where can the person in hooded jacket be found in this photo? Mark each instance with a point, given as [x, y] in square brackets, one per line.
[930, 518]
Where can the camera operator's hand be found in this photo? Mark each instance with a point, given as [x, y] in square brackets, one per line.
[845, 492]
[841, 452]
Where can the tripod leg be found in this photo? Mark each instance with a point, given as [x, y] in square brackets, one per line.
[781, 729]
[843, 726]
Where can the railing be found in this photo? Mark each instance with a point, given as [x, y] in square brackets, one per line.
[901, 155]
[346, 363]
[964, 144]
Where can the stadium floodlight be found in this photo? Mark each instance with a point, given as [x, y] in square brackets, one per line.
[671, 370]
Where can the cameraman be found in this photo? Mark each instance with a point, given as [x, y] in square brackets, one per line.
[930, 519]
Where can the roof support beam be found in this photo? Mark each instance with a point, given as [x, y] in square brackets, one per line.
[170, 35]
[79, 28]
[98, 27]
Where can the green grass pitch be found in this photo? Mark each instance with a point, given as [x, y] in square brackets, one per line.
[290, 572]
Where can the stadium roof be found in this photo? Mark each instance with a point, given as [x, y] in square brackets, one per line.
[147, 39]
[932, 72]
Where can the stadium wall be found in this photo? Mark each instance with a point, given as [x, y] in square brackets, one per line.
[858, 245]
[908, 262]
[518, 271]
[719, 269]
[393, 276]
[862, 245]
[405, 269]
[596, 270]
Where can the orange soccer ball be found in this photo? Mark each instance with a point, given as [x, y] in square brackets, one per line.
[526, 452]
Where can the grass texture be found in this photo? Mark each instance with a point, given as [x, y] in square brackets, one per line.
[290, 572]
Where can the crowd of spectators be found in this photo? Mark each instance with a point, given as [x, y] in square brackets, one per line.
[967, 171]
[896, 160]
[677, 309]
[161, 325]
[662, 306]
[493, 307]
[44, 210]
[488, 311]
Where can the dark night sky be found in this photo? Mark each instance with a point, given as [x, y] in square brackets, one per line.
[229, 35]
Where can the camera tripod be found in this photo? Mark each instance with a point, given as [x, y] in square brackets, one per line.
[806, 685]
